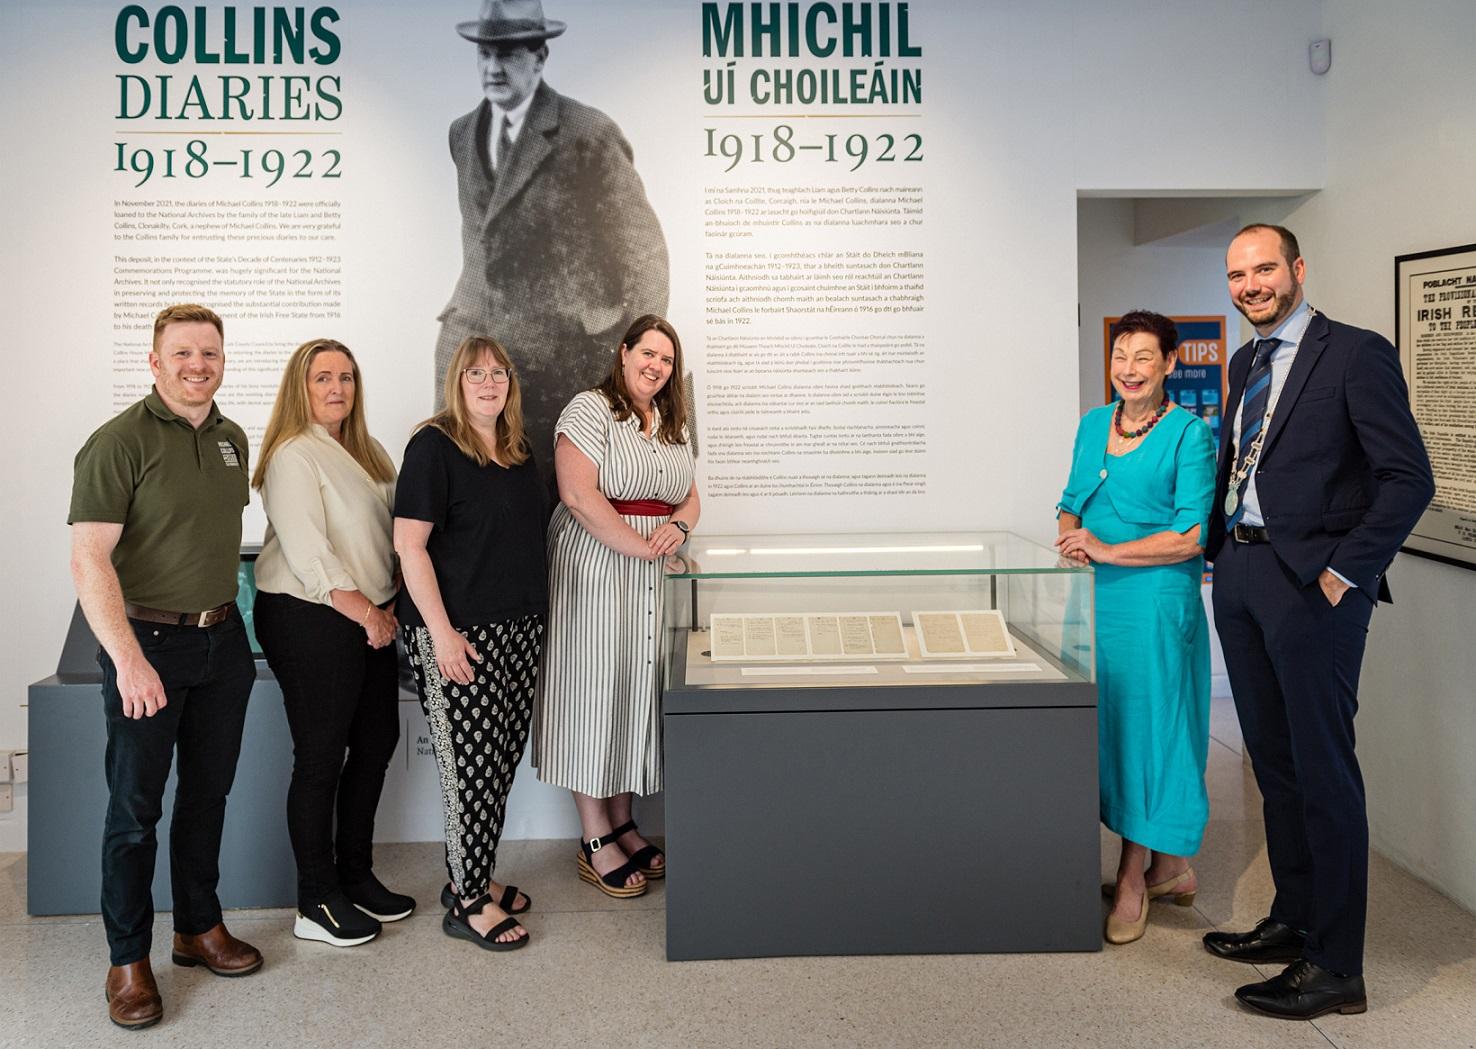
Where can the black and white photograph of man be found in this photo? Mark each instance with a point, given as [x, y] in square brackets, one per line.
[561, 249]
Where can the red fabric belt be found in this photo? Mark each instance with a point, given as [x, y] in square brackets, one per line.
[642, 507]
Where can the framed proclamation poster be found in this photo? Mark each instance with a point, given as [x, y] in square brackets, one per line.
[1435, 331]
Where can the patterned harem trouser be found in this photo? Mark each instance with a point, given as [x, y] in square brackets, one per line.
[478, 732]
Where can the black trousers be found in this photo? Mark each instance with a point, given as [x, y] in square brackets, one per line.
[207, 676]
[342, 702]
[1294, 662]
[479, 732]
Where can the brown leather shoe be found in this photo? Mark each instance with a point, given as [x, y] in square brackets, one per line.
[133, 997]
[218, 951]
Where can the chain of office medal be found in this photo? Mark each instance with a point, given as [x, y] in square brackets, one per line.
[1240, 468]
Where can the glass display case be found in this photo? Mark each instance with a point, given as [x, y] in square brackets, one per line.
[931, 691]
[818, 610]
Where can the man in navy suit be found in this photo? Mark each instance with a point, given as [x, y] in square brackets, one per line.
[1322, 476]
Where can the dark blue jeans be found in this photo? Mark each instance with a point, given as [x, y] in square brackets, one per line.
[207, 676]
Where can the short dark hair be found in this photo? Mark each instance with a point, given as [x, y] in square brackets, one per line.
[1290, 249]
[1155, 324]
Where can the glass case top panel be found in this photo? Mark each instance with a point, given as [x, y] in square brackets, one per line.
[864, 554]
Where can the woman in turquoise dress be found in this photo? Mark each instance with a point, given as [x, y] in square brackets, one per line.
[1137, 507]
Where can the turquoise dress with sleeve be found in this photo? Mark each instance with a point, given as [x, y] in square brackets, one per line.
[1153, 659]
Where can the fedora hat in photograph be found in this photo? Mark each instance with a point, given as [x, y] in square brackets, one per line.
[511, 22]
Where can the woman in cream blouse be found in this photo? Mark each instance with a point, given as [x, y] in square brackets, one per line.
[326, 580]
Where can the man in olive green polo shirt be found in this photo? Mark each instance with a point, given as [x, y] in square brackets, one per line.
[156, 536]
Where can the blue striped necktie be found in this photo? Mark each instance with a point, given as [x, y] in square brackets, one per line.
[1253, 413]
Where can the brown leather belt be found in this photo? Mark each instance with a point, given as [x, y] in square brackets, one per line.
[209, 617]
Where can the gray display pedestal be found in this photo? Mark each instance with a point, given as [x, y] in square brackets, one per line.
[68, 735]
[899, 820]
[69, 796]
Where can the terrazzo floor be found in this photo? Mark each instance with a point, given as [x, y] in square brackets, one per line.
[596, 974]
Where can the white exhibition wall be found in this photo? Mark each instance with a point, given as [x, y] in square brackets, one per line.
[1027, 105]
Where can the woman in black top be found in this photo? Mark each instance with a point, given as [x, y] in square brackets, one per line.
[469, 513]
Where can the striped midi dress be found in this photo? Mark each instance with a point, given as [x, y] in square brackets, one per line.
[596, 722]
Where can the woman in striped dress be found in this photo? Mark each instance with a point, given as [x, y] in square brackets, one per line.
[627, 499]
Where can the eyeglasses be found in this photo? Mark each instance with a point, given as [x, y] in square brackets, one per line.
[477, 376]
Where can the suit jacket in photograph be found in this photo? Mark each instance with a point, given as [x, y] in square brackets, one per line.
[563, 241]
[1343, 475]
[561, 251]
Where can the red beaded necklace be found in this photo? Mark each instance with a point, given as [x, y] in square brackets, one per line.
[1140, 431]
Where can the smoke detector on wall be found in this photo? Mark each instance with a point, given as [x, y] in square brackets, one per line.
[1319, 56]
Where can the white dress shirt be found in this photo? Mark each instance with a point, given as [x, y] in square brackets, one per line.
[329, 524]
[1290, 333]
[513, 118]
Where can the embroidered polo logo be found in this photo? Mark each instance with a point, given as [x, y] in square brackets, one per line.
[228, 453]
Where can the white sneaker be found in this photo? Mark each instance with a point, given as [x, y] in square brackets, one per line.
[335, 921]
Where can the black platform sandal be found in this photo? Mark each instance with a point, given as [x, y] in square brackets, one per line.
[456, 924]
[509, 897]
[642, 857]
[612, 884]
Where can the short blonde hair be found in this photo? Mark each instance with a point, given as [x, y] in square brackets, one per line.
[183, 314]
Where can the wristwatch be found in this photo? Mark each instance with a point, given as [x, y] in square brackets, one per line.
[682, 525]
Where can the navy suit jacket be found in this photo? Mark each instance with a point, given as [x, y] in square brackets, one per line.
[1343, 476]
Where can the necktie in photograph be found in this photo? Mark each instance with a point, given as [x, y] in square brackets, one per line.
[504, 148]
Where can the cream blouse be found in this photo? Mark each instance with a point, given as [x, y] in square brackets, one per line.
[329, 524]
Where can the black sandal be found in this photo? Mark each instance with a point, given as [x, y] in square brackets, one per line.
[642, 857]
[509, 897]
[612, 884]
[456, 924]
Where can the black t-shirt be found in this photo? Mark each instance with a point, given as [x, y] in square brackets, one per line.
[487, 539]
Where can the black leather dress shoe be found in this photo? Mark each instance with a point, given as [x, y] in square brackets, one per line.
[1269, 941]
[1304, 992]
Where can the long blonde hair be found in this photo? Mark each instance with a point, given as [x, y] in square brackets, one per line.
[292, 414]
[454, 421]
